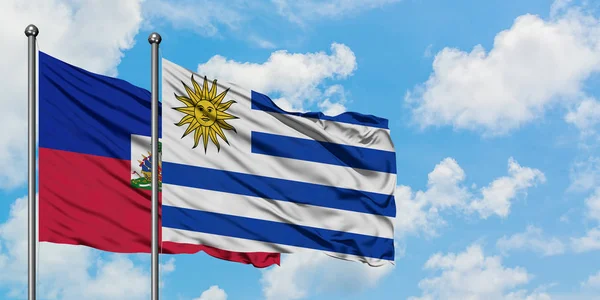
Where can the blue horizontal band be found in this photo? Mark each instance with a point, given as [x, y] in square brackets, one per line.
[278, 189]
[278, 233]
[324, 152]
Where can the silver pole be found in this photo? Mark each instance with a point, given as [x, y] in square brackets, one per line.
[31, 32]
[154, 40]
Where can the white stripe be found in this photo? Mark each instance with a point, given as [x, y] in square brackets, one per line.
[282, 124]
[278, 211]
[245, 245]
[286, 168]
[327, 131]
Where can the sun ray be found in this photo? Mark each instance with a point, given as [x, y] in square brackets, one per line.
[205, 113]
[220, 132]
[205, 90]
[213, 90]
[205, 137]
[191, 94]
[225, 106]
[221, 115]
[197, 89]
[190, 111]
[213, 137]
[185, 120]
[225, 125]
[185, 100]
[197, 135]
[219, 98]
[195, 124]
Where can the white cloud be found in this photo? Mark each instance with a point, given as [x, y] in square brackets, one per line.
[524, 295]
[585, 175]
[593, 205]
[589, 242]
[286, 105]
[301, 11]
[215, 18]
[118, 278]
[168, 266]
[472, 275]
[592, 282]
[559, 6]
[213, 293]
[261, 42]
[65, 271]
[443, 185]
[202, 16]
[335, 97]
[496, 197]
[296, 77]
[532, 239]
[331, 108]
[70, 31]
[415, 214]
[301, 273]
[586, 116]
[427, 53]
[533, 65]
[420, 211]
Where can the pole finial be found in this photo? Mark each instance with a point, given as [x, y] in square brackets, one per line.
[154, 38]
[31, 30]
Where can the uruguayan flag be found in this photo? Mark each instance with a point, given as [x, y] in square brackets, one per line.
[241, 174]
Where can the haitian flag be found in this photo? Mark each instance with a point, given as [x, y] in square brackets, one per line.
[94, 165]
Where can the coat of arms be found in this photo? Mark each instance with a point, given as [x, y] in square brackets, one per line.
[144, 172]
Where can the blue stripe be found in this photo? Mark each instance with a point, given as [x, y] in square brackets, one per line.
[324, 152]
[278, 233]
[264, 103]
[83, 112]
[279, 189]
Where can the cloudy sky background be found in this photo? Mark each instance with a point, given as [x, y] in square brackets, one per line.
[493, 108]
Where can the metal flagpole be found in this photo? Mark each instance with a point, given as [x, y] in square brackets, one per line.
[154, 40]
[31, 32]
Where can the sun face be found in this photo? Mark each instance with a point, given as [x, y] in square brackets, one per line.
[205, 113]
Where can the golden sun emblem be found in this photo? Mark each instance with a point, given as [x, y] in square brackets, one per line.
[205, 113]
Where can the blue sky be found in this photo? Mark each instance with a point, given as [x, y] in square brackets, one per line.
[493, 111]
